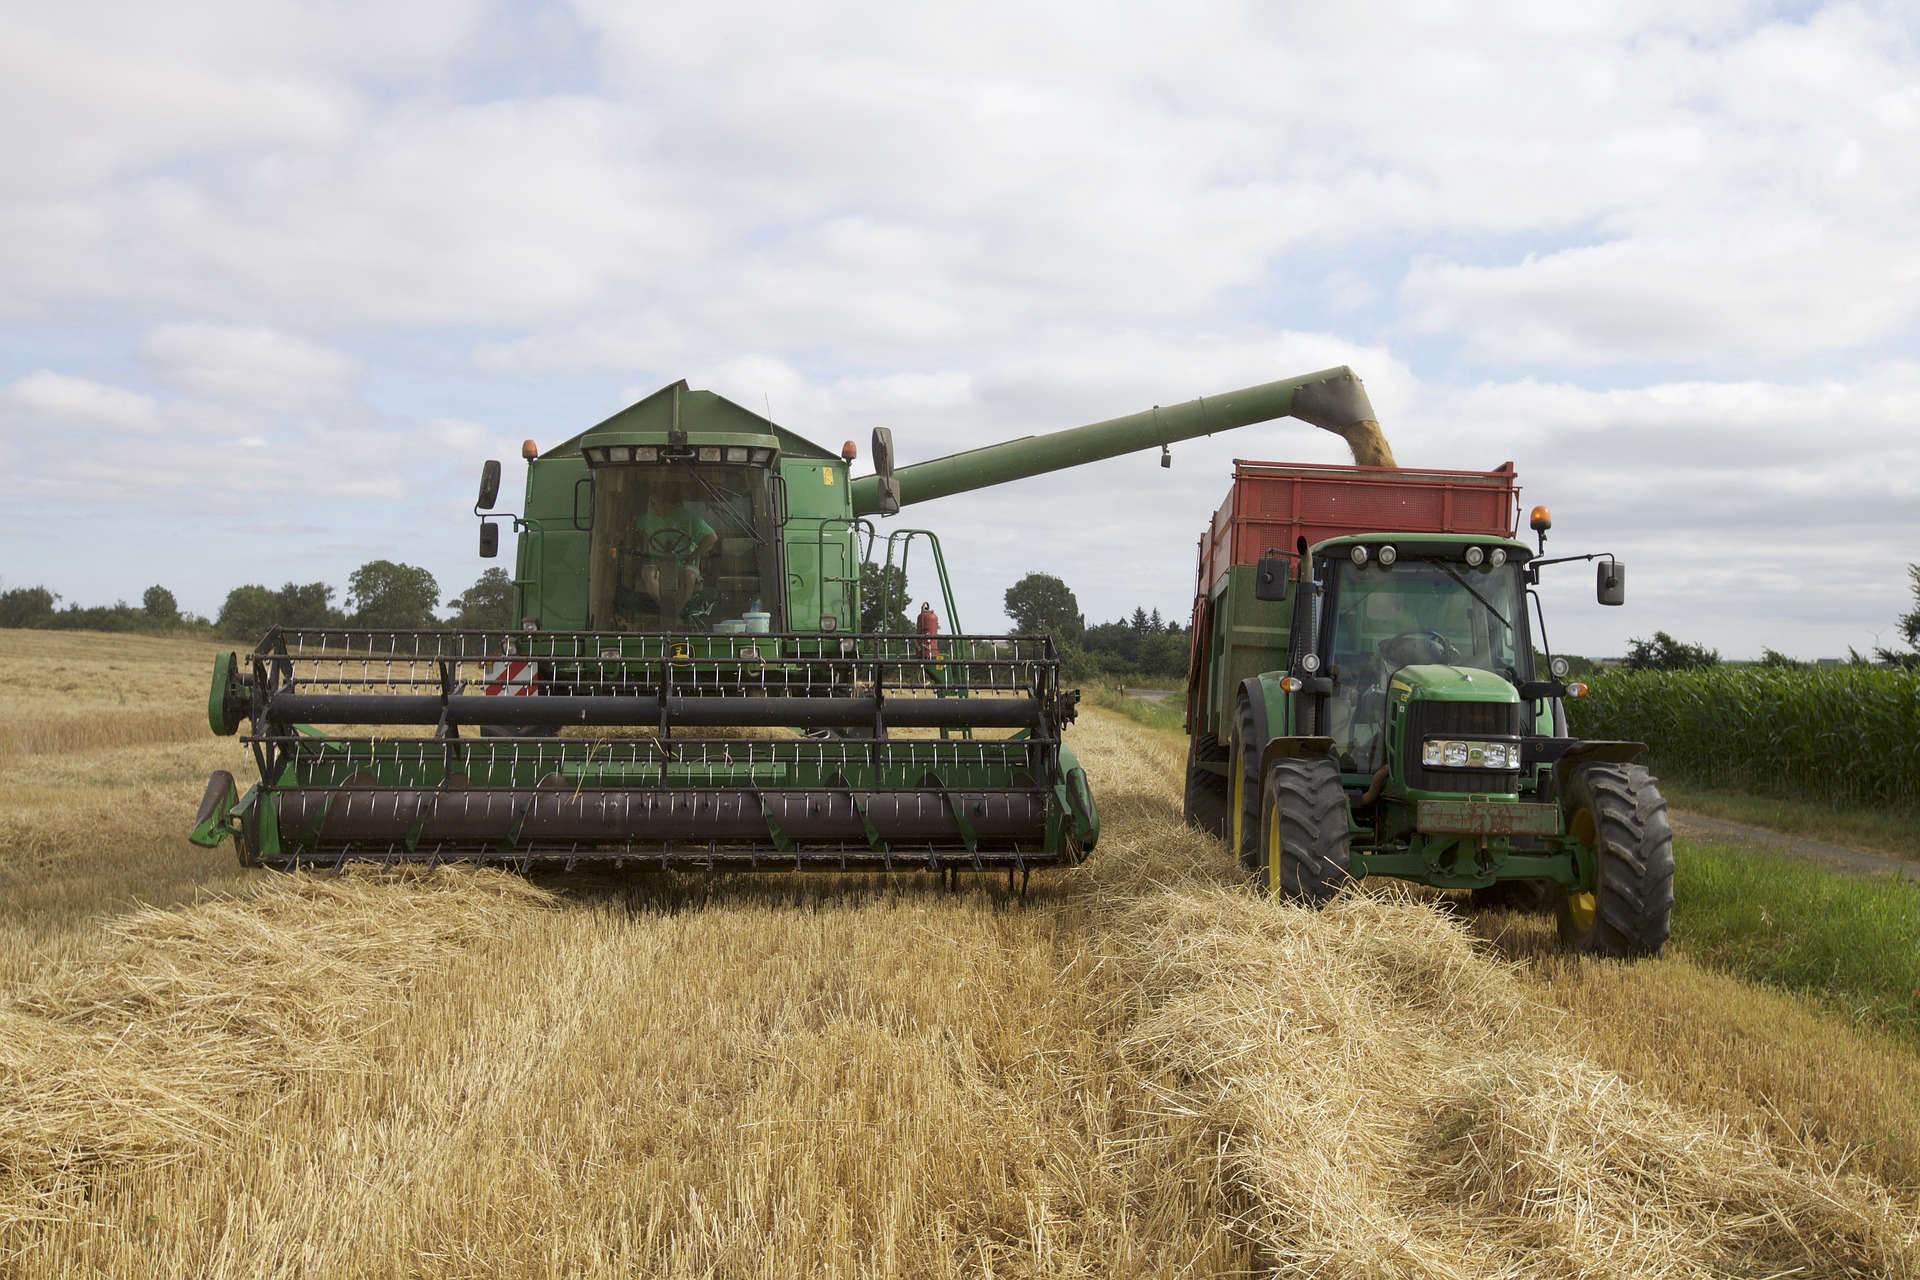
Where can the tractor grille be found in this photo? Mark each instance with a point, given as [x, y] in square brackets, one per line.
[1461, 720]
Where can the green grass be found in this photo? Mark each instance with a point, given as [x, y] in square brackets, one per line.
[1848, 942]
[1891, 831]
[1155, 713]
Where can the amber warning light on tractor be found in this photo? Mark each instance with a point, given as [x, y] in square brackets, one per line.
[1541, 520]
[529, 450]
[849, 451]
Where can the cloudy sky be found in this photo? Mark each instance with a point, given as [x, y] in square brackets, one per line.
[276, 277]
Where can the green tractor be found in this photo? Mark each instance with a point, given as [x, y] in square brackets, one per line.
[1364, 701]
[687, 684]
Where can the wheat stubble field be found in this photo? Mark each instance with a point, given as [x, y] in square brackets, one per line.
[1141, 1071]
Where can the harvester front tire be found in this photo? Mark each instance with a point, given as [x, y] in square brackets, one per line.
[1617, 809]
[1303, 830]
[1207, 792]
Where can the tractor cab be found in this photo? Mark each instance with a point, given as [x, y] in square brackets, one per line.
[1417, 616]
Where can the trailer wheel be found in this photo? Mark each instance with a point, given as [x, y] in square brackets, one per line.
[1303, 828]
[1243, 790]
[1617, 811]
[1206, 798]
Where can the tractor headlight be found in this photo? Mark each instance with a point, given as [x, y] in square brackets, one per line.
[1475, 556]
[1497, 557]
[1455, 753]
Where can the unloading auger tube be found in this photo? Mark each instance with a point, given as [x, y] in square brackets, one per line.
[1332, 399]
[633, 768]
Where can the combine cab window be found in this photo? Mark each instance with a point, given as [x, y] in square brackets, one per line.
[1418, 611]
[679, 547]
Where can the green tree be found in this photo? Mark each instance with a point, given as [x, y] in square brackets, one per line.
[1664, 653]
[1042, 604]
[487, 605]
[248, 613]
[400, 597]
[160, 605]
[307, 604]
[1164, 654]
[883, 598]
[1775, 658]
[1909, 624]
[26, 607]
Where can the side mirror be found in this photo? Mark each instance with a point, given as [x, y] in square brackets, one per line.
[1272, 578]
[489, 540]
[883, 470]
[1610, 585]
[489, 486]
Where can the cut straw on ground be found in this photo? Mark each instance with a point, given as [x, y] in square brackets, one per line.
[1143, 1070]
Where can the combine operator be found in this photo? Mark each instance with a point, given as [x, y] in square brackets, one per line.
[672, 537]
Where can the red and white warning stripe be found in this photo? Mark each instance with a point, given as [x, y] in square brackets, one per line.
[512, 678]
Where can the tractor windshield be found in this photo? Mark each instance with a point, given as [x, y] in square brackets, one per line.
[1414, 611]
[683, 547]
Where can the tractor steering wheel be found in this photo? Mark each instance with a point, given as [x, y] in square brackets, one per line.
[1430, 645]
[670, 543]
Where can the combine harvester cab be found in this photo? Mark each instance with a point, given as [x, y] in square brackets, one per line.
[687, 685]
[1363, 700]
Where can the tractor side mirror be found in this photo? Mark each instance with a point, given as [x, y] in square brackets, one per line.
[1610, 585]
[1272, 578]
[883, 471]
[489, 486]
[489, 540]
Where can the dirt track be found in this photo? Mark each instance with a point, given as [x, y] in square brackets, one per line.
[1698, 826]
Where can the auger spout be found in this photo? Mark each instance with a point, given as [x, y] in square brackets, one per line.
[1332, 399]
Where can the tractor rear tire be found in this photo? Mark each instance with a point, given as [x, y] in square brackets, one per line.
[1303, 829]
[1243, 791]
[1207, 792]
[1617, 809]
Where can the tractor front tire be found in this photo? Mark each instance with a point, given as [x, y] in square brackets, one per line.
[1618, 812]
[1303, 830]
[1207, 791]
[1243, 790]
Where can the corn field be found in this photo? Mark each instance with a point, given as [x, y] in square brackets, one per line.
[1840, 735]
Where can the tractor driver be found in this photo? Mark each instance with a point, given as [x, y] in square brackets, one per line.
[672, 538]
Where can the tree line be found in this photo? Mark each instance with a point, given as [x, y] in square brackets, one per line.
[1141, 645]
[1664, 653]
[381, 594]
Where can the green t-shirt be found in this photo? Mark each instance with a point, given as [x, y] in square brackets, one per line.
[674, 535]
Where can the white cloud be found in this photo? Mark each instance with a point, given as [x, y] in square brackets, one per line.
[973, 225]
[254, 367]
[48, 400]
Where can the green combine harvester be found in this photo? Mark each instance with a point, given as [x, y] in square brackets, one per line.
[688, 685]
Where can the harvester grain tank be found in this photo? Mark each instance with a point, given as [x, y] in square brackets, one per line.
[1364, 700]
[687, 684]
